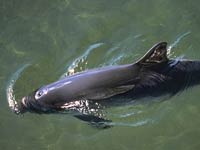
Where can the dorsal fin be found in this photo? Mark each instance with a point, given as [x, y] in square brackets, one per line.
[157, 54]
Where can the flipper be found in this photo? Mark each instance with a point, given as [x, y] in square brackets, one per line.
[108, 92]
[95, 121]
[156, 55]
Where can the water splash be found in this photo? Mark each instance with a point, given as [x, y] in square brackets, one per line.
[12, 103]
[176, 42]
[83, 106]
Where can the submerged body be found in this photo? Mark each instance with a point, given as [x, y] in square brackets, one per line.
[153, 75]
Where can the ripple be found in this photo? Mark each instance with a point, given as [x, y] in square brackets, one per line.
[129, 114]
[131, 124]
[176, 42]
[12, 103]
[82, 58]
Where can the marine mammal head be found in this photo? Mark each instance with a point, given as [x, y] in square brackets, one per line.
[29, 103]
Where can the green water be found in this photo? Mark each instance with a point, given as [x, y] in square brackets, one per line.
[54, 36]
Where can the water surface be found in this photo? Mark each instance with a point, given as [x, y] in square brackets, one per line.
[58, 37]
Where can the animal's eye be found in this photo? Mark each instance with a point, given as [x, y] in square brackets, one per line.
[40, 93]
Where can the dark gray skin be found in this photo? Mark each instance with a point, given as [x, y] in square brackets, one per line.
[93, 85]
[153, 75]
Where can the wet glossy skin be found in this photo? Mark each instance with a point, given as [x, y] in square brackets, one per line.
[84, 85]
[154, 74]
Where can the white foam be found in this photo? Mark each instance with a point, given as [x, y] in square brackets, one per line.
[9, 90]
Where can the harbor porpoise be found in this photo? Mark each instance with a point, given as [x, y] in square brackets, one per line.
[152, 75]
